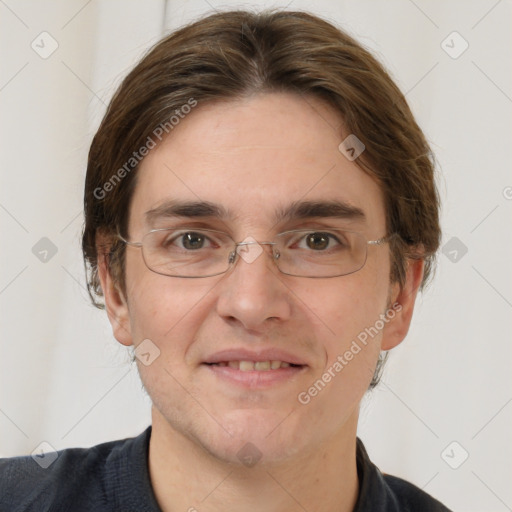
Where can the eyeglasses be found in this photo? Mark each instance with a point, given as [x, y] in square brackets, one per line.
[192, 252]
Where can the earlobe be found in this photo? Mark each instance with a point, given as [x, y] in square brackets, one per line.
[115, 303]
[402, 301]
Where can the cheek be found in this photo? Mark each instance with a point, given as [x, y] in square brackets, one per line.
[161, 308]
[168, 312]
[352, 312]
[350, 303]
[351, 348]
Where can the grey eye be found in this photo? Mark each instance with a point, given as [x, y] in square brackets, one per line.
[193, 241]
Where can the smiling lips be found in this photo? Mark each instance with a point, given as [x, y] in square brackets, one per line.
[255, 369]
[246, 360]
[246, 366]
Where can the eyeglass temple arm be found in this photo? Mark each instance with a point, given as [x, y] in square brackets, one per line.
[123, 239]
[380, 241]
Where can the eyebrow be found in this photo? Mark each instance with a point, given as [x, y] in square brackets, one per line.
[331, 208]
[175, 208]
[296, 210]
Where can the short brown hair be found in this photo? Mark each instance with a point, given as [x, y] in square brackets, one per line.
[233, 54]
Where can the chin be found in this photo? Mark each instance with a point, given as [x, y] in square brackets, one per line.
[262, 436]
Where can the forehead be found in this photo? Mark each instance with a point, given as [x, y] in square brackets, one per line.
[253, 158]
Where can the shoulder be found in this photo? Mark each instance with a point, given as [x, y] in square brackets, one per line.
[388, 493]
[74, 478]
[408, 497]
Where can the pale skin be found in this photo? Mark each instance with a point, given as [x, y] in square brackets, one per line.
[253, 157]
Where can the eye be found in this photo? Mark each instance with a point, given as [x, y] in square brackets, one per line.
[190, 241]
[193, 241]
[318, 241]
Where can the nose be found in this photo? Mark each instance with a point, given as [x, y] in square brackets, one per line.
[252, 293]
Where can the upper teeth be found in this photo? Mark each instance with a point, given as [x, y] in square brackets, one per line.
[245, 366]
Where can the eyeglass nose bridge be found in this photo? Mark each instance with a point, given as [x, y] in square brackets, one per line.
[245, 243]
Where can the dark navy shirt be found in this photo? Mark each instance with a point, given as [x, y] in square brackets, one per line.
[114, 476]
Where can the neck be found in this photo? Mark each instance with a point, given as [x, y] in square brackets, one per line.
[186, 477]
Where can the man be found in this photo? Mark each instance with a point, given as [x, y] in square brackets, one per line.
[260, 212]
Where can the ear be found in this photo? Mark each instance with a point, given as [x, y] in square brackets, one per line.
[402, 302]
[115, 302]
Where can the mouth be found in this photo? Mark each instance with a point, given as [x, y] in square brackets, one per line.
[261, 374]
[260, 366]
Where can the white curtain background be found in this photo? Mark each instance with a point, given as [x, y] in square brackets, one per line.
[66, 381]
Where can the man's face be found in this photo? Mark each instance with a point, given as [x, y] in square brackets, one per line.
[253, 159]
